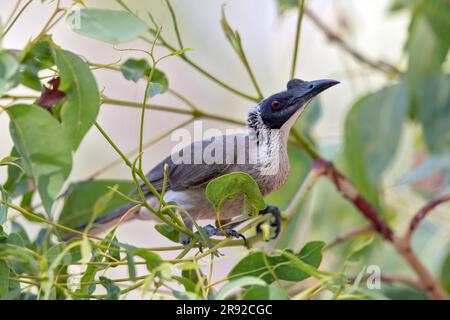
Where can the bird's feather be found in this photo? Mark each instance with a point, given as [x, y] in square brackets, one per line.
[182, 176]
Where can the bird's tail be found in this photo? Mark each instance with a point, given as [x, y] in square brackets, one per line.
[105, 221]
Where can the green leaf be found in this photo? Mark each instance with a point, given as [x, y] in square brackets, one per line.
[9, 72]
[372, 133]
[70, 257]
[82, 102]
[226, 187]
[428, 29]
[44, 148]
[232, 36]
[4, 278]
[3, 235]
[185, 295]
[236, 284]
[17, 247]
[112, 290]
[130, 261]
[108, 25]
[134, 69]
[159, 78]
[18, 183]
[445, 273]
[434, 113]
[188, 284]
[168, 232]
[398, 5]
[33, 59]
[270, 292]
[91, 270]
[8, 161]
[82, 197]
[285, 5]
[258, 264]
[114, 250]
[155, 89]
[18, 229]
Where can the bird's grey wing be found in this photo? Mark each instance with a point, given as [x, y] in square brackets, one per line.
[183, 176]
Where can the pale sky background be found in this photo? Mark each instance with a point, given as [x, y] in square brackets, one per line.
[268, 41]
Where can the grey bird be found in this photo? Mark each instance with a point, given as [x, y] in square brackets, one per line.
[260, 152]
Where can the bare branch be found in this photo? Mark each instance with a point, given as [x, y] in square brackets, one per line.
[422, 213]
[348, 190]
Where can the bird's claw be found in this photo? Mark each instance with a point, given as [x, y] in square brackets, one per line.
[213, 231]
[276, 219]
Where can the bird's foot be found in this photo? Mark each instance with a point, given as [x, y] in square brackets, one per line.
[185, 240]
[275, 221]
[213, 231]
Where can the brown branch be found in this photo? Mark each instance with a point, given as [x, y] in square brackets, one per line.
[349, 192]
[378, 65]
[430, 285]
[349, 235]
[422, 213]
[403, 247]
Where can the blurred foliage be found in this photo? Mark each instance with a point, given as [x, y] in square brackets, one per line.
[49, 130]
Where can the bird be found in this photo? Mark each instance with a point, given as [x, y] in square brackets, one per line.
[261, 152]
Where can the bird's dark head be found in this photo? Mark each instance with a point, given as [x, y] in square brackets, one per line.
[286, 106]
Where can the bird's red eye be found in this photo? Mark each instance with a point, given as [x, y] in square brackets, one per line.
[276, 105]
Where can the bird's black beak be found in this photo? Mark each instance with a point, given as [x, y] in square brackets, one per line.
[317, 86]
[305, 91]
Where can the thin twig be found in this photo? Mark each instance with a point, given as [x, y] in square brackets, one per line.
[379, 65]
[422, 213]
[349, 192]
[175, 24]
[301, 11]
[433, 289]
[206, 73]
[16, 18]
[13, 12]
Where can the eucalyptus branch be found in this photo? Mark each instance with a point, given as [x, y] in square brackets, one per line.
[135, 151]
[13, 12]
[350, 193]
[422, 213]
[43, 220]
[144, 103]
[14, 20]
[197, 114]
[175, 24]
[234, 38]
